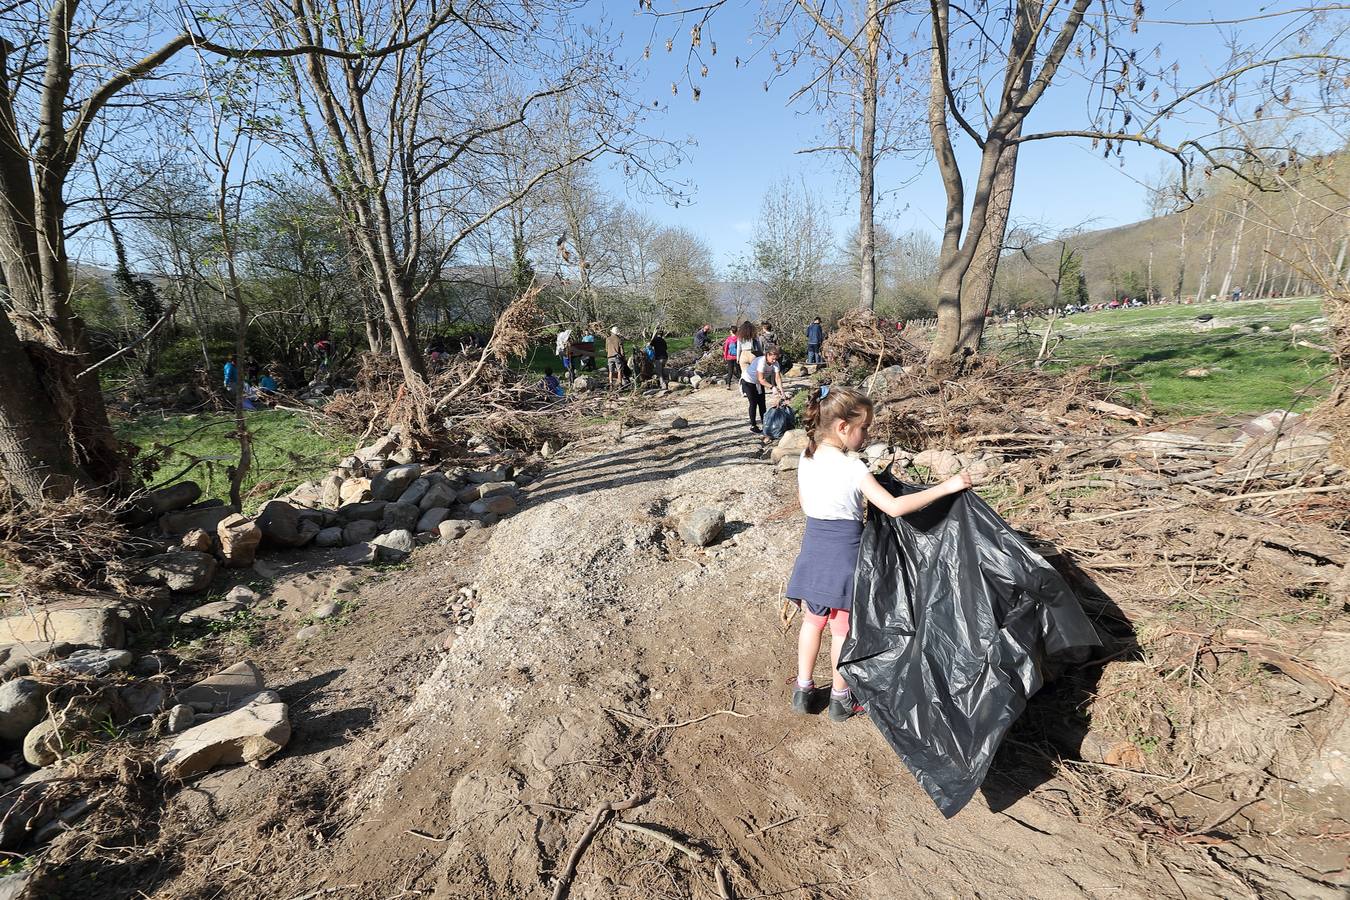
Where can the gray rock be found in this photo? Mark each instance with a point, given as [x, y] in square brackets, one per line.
[6, 773]
[581, 384]
[239, 537]
[247, 735]
[360, 531]
[402, 457]
[159, 502]
[40, 745]
[369, 509]
[223, 690]
[794, 440]
[145, 698]
[281, 525]
[82, 622]
[23, 704]
[181, 718]
[394, 546]
[489, 519]
[478, 508]
[357, 554]
[501, 505]
[383, 447]
[702, 526]
[468, 494]
[438, 494]
[184, 572]
[326, 610]
[884, 381]
[93, 662]
[308, 494]
[332, 490]
[219, 611]
[392, 482]
[351, 467]
[486, 476]
[354, 490]
[204, 517]
[309, 632]
[399, 516]
[17, 660]
[453, 529]
[432, 518]
[496, 488]
[329, 537]
[415, 491]
[241, 593]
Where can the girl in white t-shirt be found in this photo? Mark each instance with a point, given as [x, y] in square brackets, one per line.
[831, 487]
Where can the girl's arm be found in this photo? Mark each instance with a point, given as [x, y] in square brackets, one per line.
[881, 498]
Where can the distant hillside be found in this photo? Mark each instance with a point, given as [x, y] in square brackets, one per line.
[1239, 238]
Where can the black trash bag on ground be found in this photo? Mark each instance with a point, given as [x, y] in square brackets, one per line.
[953, 619]
[779, 421]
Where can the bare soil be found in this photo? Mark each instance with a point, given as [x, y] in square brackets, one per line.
[609, 659]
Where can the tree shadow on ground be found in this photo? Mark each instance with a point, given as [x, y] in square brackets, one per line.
[1056, 719]
[693, 448]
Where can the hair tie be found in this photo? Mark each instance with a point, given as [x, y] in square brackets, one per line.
[824, 390]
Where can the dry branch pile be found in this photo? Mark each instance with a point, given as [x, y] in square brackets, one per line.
[477, 398]
[860, 335]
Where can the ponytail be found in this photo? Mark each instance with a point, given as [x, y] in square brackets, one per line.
[828, 405]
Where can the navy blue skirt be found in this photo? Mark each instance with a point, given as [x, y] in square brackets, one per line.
[822, 577]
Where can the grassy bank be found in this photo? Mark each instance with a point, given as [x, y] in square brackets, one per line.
[1149, 351]
[287, 450]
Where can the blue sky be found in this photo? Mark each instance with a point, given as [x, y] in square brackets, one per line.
[747, 139]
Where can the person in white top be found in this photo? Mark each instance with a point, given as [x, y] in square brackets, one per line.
[768, 375]
[831, 487]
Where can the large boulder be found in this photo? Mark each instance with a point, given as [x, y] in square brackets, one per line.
[223, 690]
[394, 546]
[247, 735]
[493, 489]
[206, 518]
[329, 537]
[392, 482]
[454, 529]
[282, 525]
[501, 504]
[17, 660]
[79, 622]
[485, 476]
[372, 510]
[360, 531]
[239, 537]
[468, 494]
[702, 526]
[183, 572]
[23, 704]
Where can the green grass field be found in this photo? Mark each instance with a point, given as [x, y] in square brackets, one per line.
[1147, 350]
[286, 451]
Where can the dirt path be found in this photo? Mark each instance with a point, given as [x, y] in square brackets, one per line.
[610, 659]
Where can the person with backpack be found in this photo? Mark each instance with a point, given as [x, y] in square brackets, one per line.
[729, 357]
[834, 490]
[659, 353]
[747, 352]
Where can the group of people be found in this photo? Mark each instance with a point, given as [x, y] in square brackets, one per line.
[647, 361]
[259, 385]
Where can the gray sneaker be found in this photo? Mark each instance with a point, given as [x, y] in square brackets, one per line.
[807, 700]
[845, 709]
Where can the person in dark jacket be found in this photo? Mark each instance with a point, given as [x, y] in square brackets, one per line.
[701, 339]
[815, 336]
[659, 356]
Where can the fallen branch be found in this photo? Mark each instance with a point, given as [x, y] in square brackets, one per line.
[602, 815]
[638, 828]
[720, 712]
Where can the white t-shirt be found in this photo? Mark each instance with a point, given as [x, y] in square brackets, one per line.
[830, 484]
[760, 366]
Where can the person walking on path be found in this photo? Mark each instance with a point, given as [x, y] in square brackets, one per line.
[815, 336]
[614, 355]
[659, 355]
[831, 487]
[729, 356]
[747, 351]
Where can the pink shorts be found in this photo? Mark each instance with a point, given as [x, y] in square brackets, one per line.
[837, 618]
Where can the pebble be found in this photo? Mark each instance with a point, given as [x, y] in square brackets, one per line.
[181, 718]
[309, 632]
[326, 610]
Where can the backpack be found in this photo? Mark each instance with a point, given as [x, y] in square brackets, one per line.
[779, 421]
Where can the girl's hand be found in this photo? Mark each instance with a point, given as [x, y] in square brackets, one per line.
[956, 484]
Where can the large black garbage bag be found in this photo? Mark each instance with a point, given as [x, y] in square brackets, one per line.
[953, 619]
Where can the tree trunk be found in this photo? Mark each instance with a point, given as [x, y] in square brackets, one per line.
[867, 281]
[1237, 249]
[978, 288]
[1181, 257]
[1209, 258]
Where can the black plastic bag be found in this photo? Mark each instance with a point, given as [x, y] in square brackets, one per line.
[953, 618]
[779, 421]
